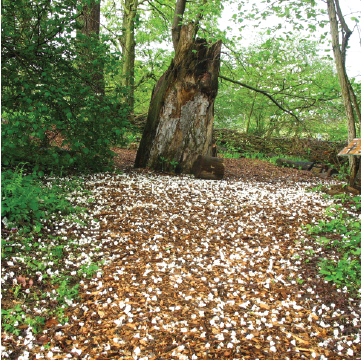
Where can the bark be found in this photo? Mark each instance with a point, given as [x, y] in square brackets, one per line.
[90, 20]
[128, 47]
[180, 119]
[343, 79]
[208, 168]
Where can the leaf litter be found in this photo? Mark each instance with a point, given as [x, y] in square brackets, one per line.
[197, 269]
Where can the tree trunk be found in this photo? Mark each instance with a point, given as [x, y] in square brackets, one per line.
[180, 119]
[208, 168]
[355, 105]
[251, 112]
[343, 80]
[128, 47]
[90, 21]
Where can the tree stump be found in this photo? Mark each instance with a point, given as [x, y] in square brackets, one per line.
[208, 168]
[180, 119]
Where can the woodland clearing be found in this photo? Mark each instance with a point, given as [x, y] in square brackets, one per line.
[188, 269]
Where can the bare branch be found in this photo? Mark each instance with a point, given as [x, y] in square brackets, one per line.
[262, 92]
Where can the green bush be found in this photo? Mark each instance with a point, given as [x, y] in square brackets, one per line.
[55, 82]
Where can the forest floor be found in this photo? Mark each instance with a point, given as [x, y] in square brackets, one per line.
[192, 269]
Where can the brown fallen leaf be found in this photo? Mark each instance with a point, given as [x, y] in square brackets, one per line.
[264, 306]
[51, 323]
[300, 339]
[131, 325]
[43, 340]
[303, 349]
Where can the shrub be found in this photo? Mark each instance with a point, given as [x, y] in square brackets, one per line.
[49, 86]
[25, 200]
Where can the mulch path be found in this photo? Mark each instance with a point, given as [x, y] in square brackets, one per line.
[199, 269]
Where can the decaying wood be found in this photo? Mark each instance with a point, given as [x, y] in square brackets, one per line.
[208, 168]
[214, 150]
[180, 118]
[302, 165]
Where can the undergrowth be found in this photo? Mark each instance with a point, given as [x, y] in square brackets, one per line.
[25, 200]
[342, 234]
[232, 153]
[29, 205]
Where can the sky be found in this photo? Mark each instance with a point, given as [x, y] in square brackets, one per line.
[350, 8]
[353, 59]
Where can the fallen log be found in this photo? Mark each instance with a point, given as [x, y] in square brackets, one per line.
[208, 168]
[302, 165]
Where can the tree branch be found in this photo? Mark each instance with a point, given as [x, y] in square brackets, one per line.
[177, 22]
[262, 92]
[346, 32]
[199, 18]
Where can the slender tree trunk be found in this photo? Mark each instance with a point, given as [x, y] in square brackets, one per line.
[180, 119]
[355, 105]
[128, 46]
[343, 80]
[177, 22]
[251, 112]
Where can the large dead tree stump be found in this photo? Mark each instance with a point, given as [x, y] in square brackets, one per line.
[180, 119]
[208, 168]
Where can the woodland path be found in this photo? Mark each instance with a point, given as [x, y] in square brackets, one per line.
[199, 269]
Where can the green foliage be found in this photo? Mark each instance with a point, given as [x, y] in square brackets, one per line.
[88, 270]
[292, 72]
[13, 318]
[25, 200]
[168, 164]
[345, 270]
[66, 292]
[173, 164]
[53, 85]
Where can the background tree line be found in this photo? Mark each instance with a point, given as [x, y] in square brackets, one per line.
[86, 70]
